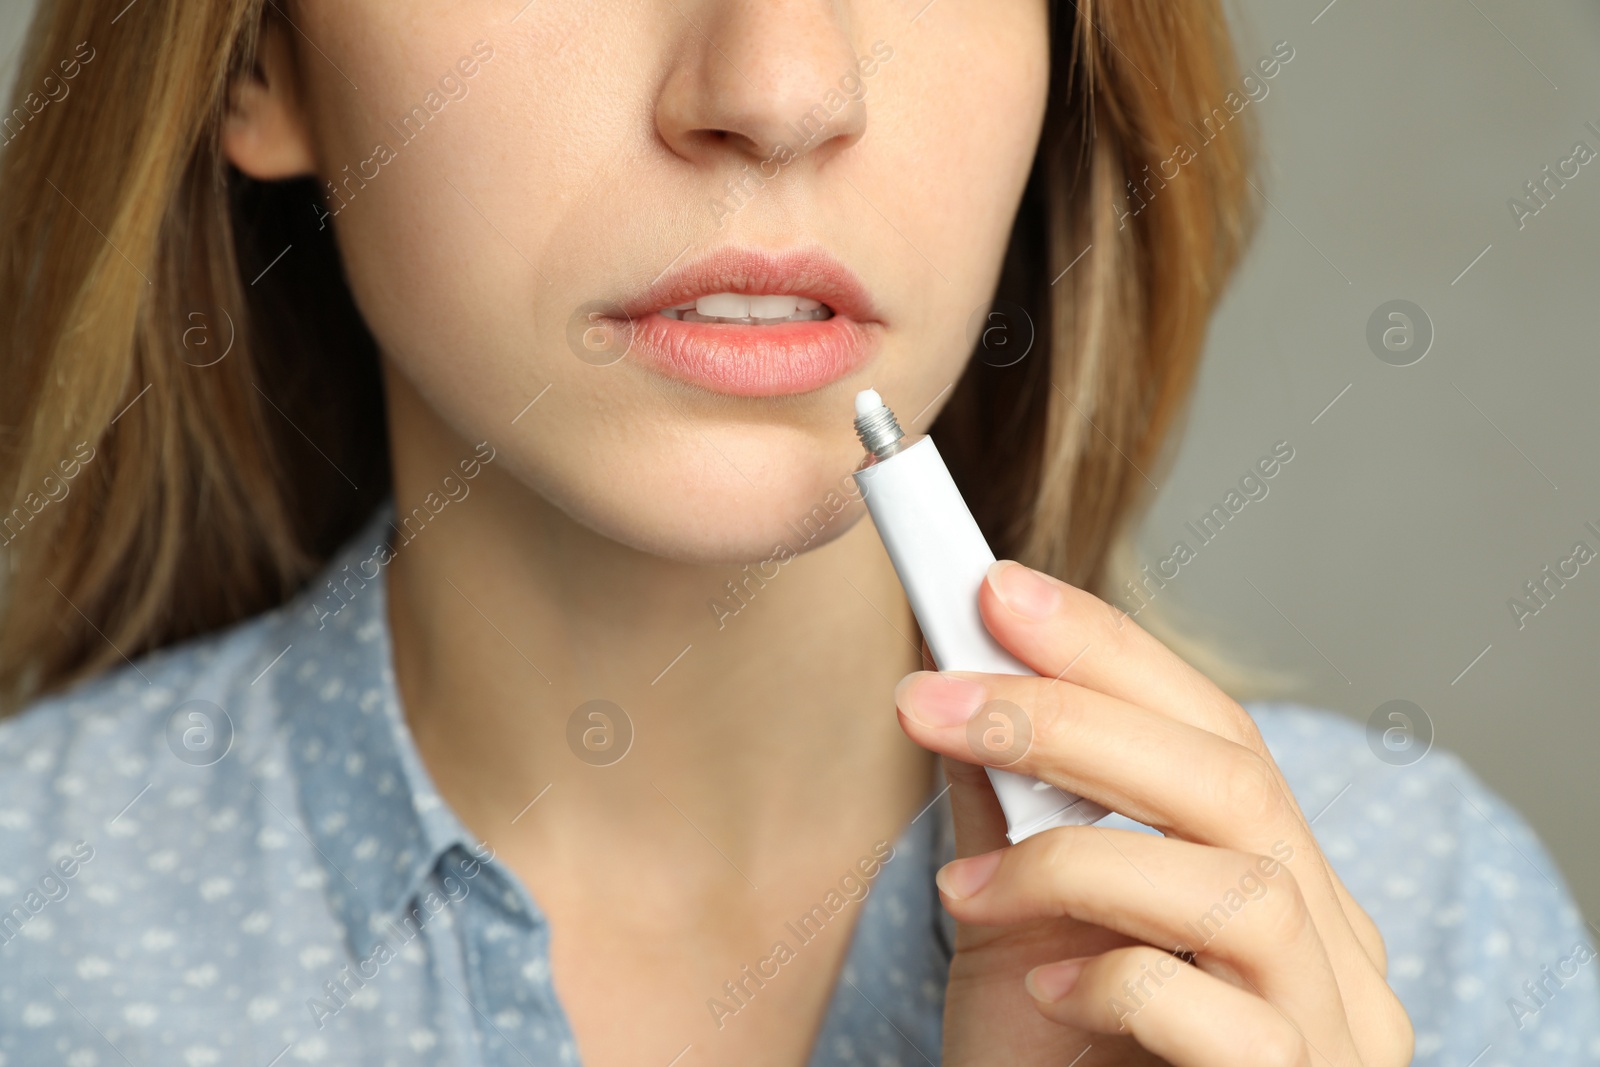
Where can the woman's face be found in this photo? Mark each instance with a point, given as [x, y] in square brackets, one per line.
[519, 189]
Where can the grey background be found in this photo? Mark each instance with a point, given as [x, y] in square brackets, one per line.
[1425, 497]
[14, 17]
[1380, 563]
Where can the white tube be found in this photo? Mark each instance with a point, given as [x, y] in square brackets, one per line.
[942, 558]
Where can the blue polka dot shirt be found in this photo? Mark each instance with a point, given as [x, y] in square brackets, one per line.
[230, 852]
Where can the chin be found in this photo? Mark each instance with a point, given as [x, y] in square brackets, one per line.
[701, 512]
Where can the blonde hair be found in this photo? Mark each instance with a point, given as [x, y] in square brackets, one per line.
[127, 242]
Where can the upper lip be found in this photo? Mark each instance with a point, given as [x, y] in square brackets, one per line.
[810, 273]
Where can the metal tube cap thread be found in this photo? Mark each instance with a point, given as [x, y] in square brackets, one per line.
[876, 426]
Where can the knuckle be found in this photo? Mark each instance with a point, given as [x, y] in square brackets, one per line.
[1229, 719]
[1085, 622]
[1281, 1046]
[1250, 790]
[1058, 853]
[1053, 716]
[1287, 917]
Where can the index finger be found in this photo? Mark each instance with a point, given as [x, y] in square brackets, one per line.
[1064, 632]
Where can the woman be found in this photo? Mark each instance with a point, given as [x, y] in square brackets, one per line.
[440, 616]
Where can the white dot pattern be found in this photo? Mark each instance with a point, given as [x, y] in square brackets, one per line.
[308, 898]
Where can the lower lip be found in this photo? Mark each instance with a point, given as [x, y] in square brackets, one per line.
[780, 360]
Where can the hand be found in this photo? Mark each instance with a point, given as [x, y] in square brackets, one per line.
[1067, 940]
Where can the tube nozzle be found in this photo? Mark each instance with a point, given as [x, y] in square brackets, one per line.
[880, 433]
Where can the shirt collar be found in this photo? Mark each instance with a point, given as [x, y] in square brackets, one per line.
[374, 815]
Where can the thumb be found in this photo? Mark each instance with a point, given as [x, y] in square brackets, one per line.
[980, 824]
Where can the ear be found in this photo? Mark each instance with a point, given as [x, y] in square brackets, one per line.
[265, 133]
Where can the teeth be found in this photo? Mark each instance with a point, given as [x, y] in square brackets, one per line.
[773, 307]
[724, 306]
[745, 309]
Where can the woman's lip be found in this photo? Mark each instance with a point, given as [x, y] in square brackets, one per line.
[739, 360]
[810, 273]
[752, 361]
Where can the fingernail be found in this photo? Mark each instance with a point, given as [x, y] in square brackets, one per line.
[960, 879]
[1024, 590]
[1052, 981]
[935, 699]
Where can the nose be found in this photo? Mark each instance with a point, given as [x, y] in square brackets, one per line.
[753, 79]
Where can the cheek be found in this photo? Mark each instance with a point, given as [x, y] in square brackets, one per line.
[411, 173]
[960, 113]
[461, 220]
[975, 114]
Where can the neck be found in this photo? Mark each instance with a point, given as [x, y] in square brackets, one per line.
[760, 715]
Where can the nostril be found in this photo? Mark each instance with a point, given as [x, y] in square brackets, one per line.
[716, 138]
